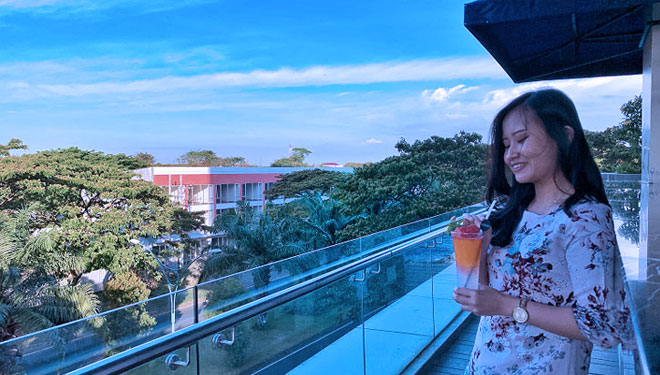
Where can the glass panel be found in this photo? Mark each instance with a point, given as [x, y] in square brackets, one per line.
[176, 193]
[158, 365]
[444, 282]
[305, 336]
[436, 222]
[253, 191]
[381, 240]
[398, 311]
[199, 194]
[224, 294]
[185, 311]
[71, 346]
[404, 277]
[227, 193]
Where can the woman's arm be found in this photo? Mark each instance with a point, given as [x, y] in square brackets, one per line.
[488, 301]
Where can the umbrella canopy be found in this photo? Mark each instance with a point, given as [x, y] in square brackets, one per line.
[538, 40]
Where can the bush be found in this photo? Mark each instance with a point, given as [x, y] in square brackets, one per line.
[124, 289]
[225, 295]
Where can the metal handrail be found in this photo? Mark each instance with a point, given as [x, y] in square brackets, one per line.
[187, 336]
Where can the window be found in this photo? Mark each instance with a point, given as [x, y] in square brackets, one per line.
[176, 193]
[199, 194]
[219, 242]
[227, 193]
[253, 191]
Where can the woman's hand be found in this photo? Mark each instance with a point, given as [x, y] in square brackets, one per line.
[485, 301]
[473, 219]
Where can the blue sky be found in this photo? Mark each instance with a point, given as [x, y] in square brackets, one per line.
[345, 79]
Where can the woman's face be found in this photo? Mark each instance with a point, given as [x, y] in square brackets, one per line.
[529, 151]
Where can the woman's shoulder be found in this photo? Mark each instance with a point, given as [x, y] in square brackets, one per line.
[588, 214]
[588, 207]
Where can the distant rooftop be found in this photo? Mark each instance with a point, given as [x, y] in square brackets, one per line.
[234, 170]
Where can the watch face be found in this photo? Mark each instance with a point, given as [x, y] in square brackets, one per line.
[520, 315]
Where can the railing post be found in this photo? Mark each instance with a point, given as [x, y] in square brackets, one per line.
[196, 320]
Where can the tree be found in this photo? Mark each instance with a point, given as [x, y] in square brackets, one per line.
[31, 298]
[208, 158]
[254, 240]
[92, 207]
[618, 148]
[428, 178]
[297, 158]
[14, 144]
[204, 158]
[294, 185]
[232, 161]
[125, 289]
[145, 158]
[324, 218]
[356, 164]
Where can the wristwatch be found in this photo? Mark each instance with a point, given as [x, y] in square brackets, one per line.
[520, 313]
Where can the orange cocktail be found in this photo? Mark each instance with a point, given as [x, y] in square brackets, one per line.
[467, 242]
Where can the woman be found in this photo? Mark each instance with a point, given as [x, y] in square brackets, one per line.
[554, 285]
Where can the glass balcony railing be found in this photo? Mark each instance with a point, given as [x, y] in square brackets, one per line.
[366, 306]
[642, 274]
[375, 302]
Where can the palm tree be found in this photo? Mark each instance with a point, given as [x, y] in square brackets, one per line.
[254, 240]
[325, 218]
[31, 298]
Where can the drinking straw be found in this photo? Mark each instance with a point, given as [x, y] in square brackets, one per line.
[490, 209]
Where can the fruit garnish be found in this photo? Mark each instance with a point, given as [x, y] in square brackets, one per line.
[470, 228]
[453, 224]
[461, 226]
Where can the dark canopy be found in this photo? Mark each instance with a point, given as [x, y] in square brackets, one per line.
[551, 39]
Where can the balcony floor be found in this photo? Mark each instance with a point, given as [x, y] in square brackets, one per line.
[454, 359]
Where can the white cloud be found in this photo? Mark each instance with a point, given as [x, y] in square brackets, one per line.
[373, 141]
[27, 3]
[586, 89]
[443, 94]
[85, 8]
[456, 116]
[409, 71]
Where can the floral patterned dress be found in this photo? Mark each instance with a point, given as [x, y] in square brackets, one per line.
[560, 261]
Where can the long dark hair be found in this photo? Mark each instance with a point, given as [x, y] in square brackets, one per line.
[555, 110]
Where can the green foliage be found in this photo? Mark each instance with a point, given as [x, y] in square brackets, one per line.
[91, 207]
[427, 178]
[297, 158]
[183, 223]
[294, 185]
[201, 157]
[208, 158]
[255, 240]
[31, 299]
[232, 161]
[324, 218]
[223, 296]
[618, 148]
[14, 144]
[146, 158]
[340, 298]
[356, 164]
[124, 289]
[624, 198]
[386, 286]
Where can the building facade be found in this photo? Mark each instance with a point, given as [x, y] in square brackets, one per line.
[212, 190]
